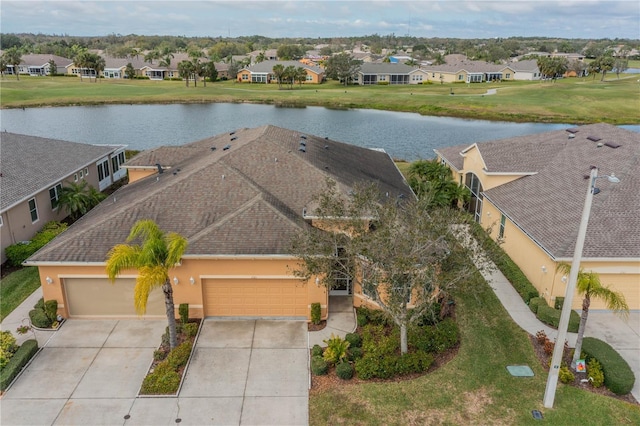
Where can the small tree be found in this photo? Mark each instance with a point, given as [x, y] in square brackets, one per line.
[278, 72]
[53, 68]
[77, 198]
[129, 71]
[13, 57]
[433, 182]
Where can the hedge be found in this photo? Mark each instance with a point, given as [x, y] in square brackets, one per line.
[19, 252]
[618, 376]
[551, 316]
[22, 356]
[536, 302]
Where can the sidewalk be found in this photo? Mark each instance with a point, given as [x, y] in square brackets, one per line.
[15, 319]
[342, 320]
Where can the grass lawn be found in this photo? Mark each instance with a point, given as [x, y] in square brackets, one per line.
[569, 100]
[16, 287]
[475, 387]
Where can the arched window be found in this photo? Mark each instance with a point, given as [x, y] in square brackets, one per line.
[475, 202]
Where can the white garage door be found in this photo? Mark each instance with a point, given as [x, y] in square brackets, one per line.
[255, 298]
[97, 297]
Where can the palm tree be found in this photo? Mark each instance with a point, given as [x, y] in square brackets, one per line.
[278, 72]
[13, 57]
[157, 253]
[98, 64]
[185, 69]
[77, 198]
[589, 286]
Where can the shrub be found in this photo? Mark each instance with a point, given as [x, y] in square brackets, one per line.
[354, 339]
[7, 347]
[163, 381]
[317, 350]
[39, 318]
[361, 319]
[19, 252]
[51, 309]
[559, 302]
[39, 304]
[354, 354]
[535, 302]
[594, 372]
[551, 316]
[565, 375]
[435, 339]
[159, 355]
[336, 349]
[183, 310]
[431, 316]
[319, 366]
[541, 336]
[548, 347]
[179, 356]
[190, 329]
[344, 370]
[20, 358]
[618, 376]
[316, 313]
[414, 362]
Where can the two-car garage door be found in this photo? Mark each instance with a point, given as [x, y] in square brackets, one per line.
[255, 298]
[97, 297]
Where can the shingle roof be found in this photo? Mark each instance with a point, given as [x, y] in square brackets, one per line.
[30, 164]
[385, 68]
[548, 204]
[246, 200]
[39, 59]
[267, 66]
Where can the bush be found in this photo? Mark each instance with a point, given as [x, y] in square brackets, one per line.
[362, 319]
[319, 366]
[7, 347]
[618, 376]
[39, 318]
[183, 310]
[179, 356]
[39, 304]
[565, 375]
[163, 381]
[414, 362]
[435, 339]
[317, 350]
[316, 313]
[190, 329]
[535, 302]
[431, 316]
[354, 354]
[344, 370]
[559, 302]
[19, 252]
[336, 349]
[159, 355]
[354, 339]
[594, 372]
[51, 309]
[551, 316]
[20, 358]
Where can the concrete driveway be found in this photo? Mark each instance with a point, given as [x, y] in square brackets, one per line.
[89, 373]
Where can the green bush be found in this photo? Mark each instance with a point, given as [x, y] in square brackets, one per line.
[179, 356]
[336, 350]
[39, 318]
[317, 350]
[535, 302]
[7, 347]
[183, 310]
[354, 354]
[383, 83]
[163, 381]
[316, 313]
[51, 309]
[362, 319]
[159, 355]
[19, 252]
[354, 339]
[39, 304]
[344, 370]
[20, 358]
[559, 302]
[190, 329]
[435, 339]
[594, 372]
[319, 366]
[431, 316]
[618, 376]
[565, 375]
[374, 316]
[551, 316]
[414, 362]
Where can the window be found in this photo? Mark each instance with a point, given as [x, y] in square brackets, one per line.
[475, 203]
[245, 77]
[54, 195]
[81, 174]
[103, 170]
[33, 210]
[507, 75]
[460, 77]
[1, 222]
[86, 172]
[503, 221]
[75, 177]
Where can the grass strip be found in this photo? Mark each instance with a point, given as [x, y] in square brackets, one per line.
[16, 287]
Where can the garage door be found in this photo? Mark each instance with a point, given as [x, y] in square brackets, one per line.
[255, 298]
[97, 297]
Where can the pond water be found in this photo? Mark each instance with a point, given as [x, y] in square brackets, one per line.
[403, 135]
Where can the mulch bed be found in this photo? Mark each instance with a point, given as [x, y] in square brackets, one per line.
[316, 327]
[545, 359]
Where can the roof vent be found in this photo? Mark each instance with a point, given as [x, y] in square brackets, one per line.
[599, 145]
[160, 171]
[232, 133]
[234, 138]
[573, 130]
[303, 137]
[572, 135]
[213, 148]
[302, 149]
[303, 143]
[593, 138]
[226, 147]
[612, 145]
[326, 147]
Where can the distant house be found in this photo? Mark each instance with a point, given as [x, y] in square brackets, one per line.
[384, 73]
[526, 70]
[115, 68]
[530, 190]
[39, 65]
[469, 72]
[263, 72]
[34, 170]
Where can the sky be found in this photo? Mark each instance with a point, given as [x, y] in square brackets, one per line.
[326, 18]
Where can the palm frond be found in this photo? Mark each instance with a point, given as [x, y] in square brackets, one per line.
[149, 278]
[176, 246]
[121, 257]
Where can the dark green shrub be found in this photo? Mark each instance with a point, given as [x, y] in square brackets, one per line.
[535, 302]
[19, 252]
[361, 319]
[317, 350]
[190, 329]
[179, 356]
[354, 354]
[372, 366]
[354, 339]
[559, 302]
[344, 370]
[431, 316]
[20, 358]
[183, 310]
[618, 376]
[163, 381]
[574, 322]
[39, 304]
[436, 338]
[316, 313]
[319, 366]
[51, 309]
[380, 317]
[39, 318]
[414, 362]
[7, 347]
[551, 316]
[159, 355]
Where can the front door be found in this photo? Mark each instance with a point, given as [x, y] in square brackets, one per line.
[342, 285]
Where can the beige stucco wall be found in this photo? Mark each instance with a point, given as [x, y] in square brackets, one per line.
[137, 174]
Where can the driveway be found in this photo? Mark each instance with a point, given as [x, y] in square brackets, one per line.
[89, 373]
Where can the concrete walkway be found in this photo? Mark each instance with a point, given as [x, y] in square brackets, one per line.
[20, 316]
[623, 336]
[342, 320]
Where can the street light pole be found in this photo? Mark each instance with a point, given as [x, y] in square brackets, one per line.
[556, 359]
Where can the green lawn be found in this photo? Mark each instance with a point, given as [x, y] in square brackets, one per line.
[16, 287]
[475, 387]
[570, 100]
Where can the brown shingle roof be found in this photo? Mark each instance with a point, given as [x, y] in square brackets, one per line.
[247, 199]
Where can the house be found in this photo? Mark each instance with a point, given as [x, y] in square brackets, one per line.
[530, 192]
[238, 198]
[384, 73]
[263, 72]
[469, 72]
[115, 68]
[526, 70]
[39, 65]
[35, 169]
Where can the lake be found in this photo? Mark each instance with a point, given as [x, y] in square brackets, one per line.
[403, 135]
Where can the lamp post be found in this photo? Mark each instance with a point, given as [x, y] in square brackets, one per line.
[556, 359]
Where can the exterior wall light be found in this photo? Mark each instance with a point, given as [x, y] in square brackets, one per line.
[175, 281]
[49, 280]
[192, 281]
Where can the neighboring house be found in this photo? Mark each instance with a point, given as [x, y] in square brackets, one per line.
[38, 65]
[115, 68]
[34, 170]
[469, 72]
[384, 73]
[238, 198]
[526, 70]
[155, 71]
[263, 72]
[530, 191]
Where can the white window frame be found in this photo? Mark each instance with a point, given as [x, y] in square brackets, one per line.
[86, 171]
[1, 221]
[57, 188]
[75, 177]
[33, 210]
